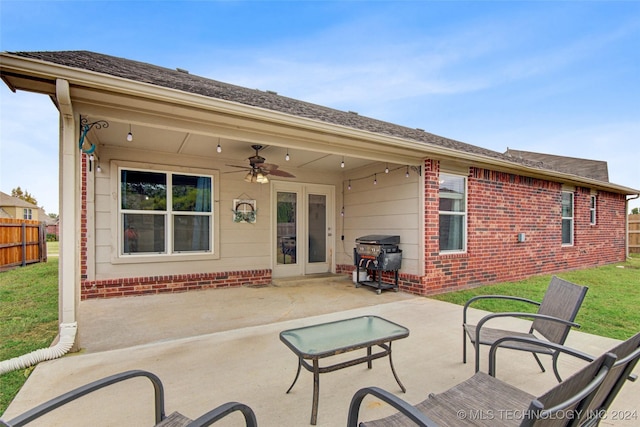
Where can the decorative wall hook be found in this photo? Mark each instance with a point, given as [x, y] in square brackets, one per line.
[85, 127]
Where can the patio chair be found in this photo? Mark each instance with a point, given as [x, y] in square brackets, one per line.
[627, 353]
[174, 420]
[552, 322]
[483, 400]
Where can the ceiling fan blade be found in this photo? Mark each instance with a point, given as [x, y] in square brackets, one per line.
[278, 172]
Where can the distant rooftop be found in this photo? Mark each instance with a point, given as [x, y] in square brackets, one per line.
[593, 169]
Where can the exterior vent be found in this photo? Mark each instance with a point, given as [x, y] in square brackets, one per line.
[272, 92]
[182, 70]
[353, 112]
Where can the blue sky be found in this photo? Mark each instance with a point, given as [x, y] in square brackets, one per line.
[555, 77]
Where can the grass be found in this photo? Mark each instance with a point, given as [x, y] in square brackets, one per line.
[29, 309]
[610, 308]
[28, 318]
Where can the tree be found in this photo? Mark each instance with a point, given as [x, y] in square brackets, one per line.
[635, 211]
[24, 195]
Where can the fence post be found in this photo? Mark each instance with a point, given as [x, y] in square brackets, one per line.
[24, 244]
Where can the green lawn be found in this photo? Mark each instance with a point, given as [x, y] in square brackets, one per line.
[28, 318]
[610, 307]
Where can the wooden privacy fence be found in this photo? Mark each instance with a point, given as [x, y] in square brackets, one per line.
[22, 242]
[634, 234]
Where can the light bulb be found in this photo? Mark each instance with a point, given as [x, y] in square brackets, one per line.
[375, 179]
[342, 163]
[98, 169]
[286, 157]
[407, 173]
[129, 137]
[219, 149]
[386, 170]
[349, 186]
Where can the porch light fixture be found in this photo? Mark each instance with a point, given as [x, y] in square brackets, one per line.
[130, 135]
[258, 177]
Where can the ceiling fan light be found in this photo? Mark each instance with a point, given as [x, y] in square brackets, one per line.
[248, 177]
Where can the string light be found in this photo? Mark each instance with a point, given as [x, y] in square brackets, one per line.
[130, 135]
[386, 170]
[219, 148]
[342, 163]
[286, 157]
[417, 169]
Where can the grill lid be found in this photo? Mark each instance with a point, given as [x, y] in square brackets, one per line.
[379, 239]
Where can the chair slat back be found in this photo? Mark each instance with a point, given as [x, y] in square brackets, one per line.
[628, 353]
[562, 300]
[567, 400]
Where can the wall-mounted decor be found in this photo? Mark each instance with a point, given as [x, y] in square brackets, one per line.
[244, 210]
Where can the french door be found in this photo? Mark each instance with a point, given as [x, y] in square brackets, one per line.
[303, 238]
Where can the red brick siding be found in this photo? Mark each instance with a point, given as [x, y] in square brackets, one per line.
[172, 283]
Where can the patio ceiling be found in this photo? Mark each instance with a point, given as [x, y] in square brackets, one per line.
[234, 151]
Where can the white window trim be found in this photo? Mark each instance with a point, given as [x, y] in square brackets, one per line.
[463, 214]
[116, 220]
[572, 218]
[593, 209]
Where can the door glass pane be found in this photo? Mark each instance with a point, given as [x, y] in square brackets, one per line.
[286, 233]
[317, 228]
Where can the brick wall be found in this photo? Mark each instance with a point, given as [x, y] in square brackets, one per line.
[500, 206]
[172, 283]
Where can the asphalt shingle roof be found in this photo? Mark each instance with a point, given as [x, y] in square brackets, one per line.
[183, 81]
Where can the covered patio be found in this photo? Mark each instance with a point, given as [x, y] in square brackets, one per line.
[215, 346]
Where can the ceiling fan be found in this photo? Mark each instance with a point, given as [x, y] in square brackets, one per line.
[258, 169]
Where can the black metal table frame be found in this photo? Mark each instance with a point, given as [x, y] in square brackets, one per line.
[316, 369]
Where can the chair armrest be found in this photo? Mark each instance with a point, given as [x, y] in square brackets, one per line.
[72, 395]
[405, 408]
[547, 344]
[224, 410]
[491, 316]
[481, 297]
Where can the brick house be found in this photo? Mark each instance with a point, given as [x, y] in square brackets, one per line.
[165, 189]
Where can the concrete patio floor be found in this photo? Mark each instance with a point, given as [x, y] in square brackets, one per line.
[215, 346]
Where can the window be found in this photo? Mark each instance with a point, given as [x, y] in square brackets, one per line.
[453, 215]
[165, 212]
[567, 218]
[592, 211]
[27, 213]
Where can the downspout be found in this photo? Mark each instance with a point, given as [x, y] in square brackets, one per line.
[626, 223]
[67, 271]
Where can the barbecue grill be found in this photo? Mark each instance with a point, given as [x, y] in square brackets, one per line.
[377, 253]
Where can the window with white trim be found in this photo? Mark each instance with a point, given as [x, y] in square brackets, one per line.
[165, 212]
[27, 213]
[592, 210]
[452, 213]
[567, 218]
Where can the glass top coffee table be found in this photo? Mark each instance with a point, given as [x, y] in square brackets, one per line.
[329, 339]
